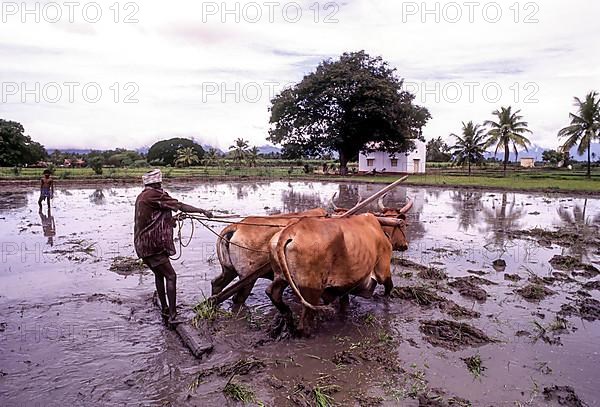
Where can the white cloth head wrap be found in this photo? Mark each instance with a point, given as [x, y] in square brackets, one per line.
[152, 177]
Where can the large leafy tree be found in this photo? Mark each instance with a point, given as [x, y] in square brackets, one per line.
[469, 147]
[438, 150]
[555, 157]
[507, 132]
[346, 106]
[166, 151]
[584, 127]
[16, 148]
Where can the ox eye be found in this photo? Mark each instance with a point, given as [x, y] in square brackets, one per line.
[402, 216]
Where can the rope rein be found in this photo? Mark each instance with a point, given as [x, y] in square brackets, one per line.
[180, 219]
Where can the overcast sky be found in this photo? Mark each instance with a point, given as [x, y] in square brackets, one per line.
[192, 70]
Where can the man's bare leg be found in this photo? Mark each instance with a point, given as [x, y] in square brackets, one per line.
[160, 290]
[166, 270]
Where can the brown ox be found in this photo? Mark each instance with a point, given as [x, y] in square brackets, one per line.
[243, 248]
[327, 258]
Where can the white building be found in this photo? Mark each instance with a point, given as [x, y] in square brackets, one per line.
[412, 162]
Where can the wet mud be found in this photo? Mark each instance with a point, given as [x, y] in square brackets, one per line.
[465, 325]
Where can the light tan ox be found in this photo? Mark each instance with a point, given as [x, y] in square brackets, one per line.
[243, 248]
[329, 258]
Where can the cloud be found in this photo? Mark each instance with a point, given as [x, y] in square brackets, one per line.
[194, 73]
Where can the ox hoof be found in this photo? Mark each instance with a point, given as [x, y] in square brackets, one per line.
[282, 328]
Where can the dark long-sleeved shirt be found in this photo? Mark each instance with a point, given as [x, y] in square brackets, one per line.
[153, 230]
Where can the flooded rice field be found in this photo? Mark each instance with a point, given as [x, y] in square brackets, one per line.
[495, 304]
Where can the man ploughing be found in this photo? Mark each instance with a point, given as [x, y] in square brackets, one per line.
[153, 237]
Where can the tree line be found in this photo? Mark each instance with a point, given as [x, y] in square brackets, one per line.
[507, 132]
[354, 104]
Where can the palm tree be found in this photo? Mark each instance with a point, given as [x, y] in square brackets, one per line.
[239, 149]
[186, 156]
[507, 131]
[470, 147]
[211, 157]
[584, 126]
[252, 156]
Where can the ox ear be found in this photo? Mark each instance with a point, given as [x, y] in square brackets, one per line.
[402, 216]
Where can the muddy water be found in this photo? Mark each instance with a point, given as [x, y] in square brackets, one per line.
[74, 332]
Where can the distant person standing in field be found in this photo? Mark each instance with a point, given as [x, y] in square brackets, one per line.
[46, 188]
[153, 237]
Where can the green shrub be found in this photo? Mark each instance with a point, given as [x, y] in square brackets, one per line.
[95, 163]
[140, 164]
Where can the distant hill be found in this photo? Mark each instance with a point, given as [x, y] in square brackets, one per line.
[595, 149]
[207, 147]
[536, 152]
[69, 150]
[267, 149]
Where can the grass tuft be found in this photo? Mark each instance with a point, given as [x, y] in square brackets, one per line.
[321, 396]
[239, 392]
[474, 365]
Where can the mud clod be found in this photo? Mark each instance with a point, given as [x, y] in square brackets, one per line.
[126, 266]
[586, 308]
[453, 335]
[419, 295]
[591, 285]
[568, 263]
[424, 297]
[564, 395]
[432, 273]
[458, 312]
[499, 264]
[477, 280]
[344, 358]
[468, 289]
[535, 292]
[477, 272]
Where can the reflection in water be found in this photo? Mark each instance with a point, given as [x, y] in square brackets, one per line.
[300, 201]
[48, 225]
[500, 219]
[243, 189]
[467, 207]
[584, 225]
[97, 197]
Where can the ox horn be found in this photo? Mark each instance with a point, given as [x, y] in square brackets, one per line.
[407, 207]
[380, 203]
[383, 221]
[335, 207]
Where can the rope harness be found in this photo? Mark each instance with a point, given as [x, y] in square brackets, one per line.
[181, 217]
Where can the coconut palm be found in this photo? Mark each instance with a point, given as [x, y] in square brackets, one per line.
[186, 157]
[239, 149]
[507, 131]
[585, 126]
[470, 147]
[252, 156]
[211, 157]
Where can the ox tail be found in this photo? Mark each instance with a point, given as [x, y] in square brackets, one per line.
[281, 245]
[223, 246]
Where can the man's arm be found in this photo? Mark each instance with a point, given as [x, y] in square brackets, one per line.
[164, 201]
[192, 209]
